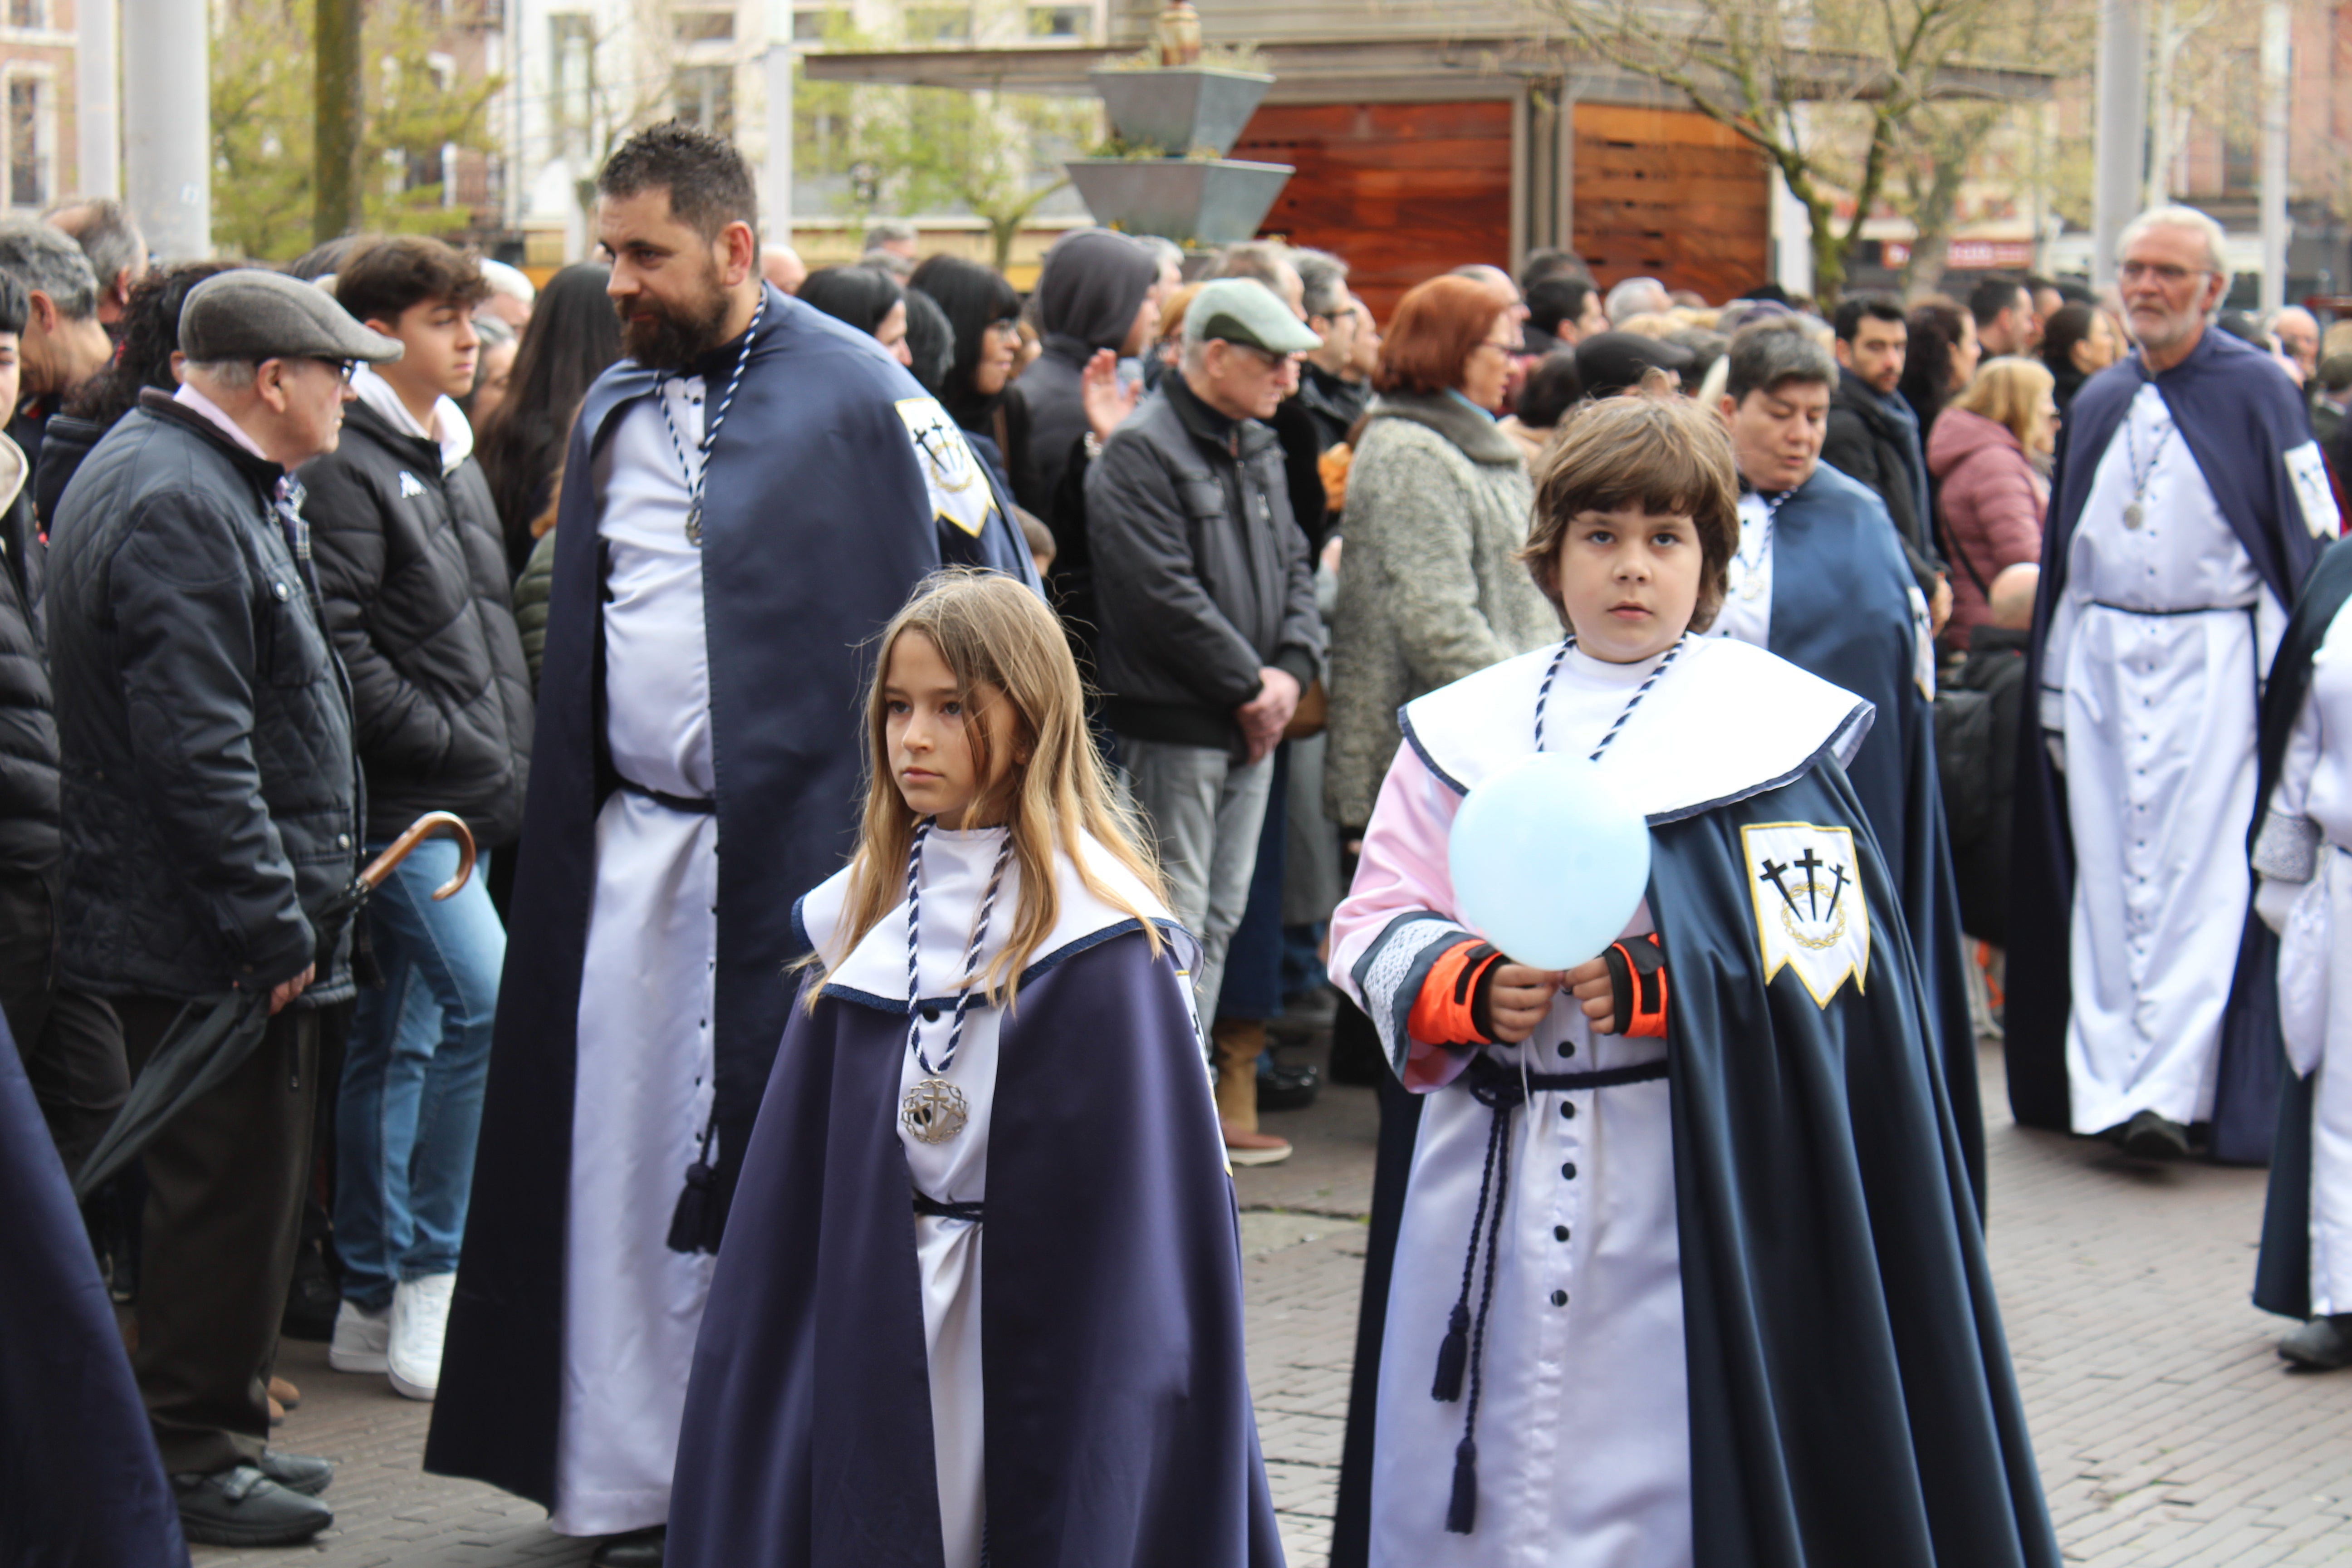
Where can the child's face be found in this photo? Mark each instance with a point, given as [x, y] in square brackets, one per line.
[929, 726]
[1629, 582]
[439, 346]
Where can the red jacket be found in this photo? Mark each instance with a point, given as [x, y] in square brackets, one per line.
[1992, 503]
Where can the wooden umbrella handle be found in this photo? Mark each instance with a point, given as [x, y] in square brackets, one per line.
[432, 824]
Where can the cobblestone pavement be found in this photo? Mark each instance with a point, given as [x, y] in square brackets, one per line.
[2167, 1430]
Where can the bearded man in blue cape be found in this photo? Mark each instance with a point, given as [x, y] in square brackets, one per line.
[748, 498]
[2189, 503]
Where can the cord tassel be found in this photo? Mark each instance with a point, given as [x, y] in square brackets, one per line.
[1452, 1355]
[690, 1226]
[1461, 1512]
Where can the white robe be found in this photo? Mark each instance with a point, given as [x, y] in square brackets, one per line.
[1746, 616]
[2152, 672]
[632, 1306]
[1584, 1424]
[2304, 855]
[954, 878]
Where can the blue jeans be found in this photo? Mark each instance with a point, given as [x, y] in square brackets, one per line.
[412, 1094]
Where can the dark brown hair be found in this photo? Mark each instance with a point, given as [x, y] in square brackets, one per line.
[1662, 453]
[1438, 325]
[710, 185]
[383, 278]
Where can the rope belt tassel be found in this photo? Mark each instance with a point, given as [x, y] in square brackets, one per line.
[1497, 1086]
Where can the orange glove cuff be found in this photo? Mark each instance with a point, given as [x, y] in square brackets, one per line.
[1446, 1011]
[1637, 984]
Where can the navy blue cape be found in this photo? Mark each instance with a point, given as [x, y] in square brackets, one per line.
[818, 525]
[2283, 1270]
[2238, 416]
[1842, 610]
[80, 1483]
[1119, 1425]
[1851, 1394]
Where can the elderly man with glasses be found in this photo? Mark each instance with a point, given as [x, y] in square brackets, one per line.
[211, 812]
[2189, 502]
[1209, 628]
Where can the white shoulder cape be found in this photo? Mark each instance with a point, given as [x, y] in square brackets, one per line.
[1728, 721]
[875, 973]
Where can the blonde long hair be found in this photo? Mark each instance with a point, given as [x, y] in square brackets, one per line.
[2011, 392]
[991, 630]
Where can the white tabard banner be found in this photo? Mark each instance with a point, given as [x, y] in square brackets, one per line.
[1811, 915]
[959, 491]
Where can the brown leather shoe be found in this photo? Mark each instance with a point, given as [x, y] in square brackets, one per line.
[284, 1394]
[1247, 1148]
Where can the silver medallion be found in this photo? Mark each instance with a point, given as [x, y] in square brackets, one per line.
[2134, 515]
[933, 1111]
[694, 523]
[1751, 585]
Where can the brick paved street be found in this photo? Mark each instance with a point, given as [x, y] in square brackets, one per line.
[2166, 1431]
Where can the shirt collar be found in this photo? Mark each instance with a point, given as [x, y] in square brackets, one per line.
[190, 398]
[450, 431]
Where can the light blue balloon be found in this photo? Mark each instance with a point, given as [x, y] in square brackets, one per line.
[1549, 861]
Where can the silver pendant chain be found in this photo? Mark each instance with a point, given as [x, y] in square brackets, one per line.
[1752, 572]
[2135, 508]
[1543, 694]
[697, 476]
[935, 1110]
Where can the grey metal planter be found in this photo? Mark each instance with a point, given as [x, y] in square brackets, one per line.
[1212, 203]
[1179, 108]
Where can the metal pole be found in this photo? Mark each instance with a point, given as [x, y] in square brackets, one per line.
[95, 105]
[776, 189]
[167, 114]
[2122, 130]
[2277, 89]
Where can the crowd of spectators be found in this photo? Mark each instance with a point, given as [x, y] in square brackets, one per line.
[1267, 517]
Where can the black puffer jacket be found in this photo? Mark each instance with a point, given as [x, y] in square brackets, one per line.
[211, 793]
[1203, 577]
[413, 568]
[29, 725]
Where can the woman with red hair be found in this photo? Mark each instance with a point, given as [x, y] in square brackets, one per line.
[1437, 503]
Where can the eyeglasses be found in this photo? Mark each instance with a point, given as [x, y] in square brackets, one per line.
[1504, 348]
[2162, 272]
[1007, 327]
[1267, 357]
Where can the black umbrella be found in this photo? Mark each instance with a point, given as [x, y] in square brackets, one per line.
[212, 1036]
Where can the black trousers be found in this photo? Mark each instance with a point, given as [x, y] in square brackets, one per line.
[224, 1186]
[70, 1041]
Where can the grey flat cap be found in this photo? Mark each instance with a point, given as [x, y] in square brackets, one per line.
[1245, 310]
[253, 315]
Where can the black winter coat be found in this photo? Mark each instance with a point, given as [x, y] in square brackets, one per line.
[29, 725]
[1864, 443]
[210, 790]
[1202, 574]
[413, 570]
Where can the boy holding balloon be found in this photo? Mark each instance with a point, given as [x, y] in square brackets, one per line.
[1674, 1258]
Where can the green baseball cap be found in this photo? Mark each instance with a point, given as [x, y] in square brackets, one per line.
[1245, 311]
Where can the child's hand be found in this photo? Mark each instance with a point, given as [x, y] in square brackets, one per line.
[1589, 984]
[1519, 998]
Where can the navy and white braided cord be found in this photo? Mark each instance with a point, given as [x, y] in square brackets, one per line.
[699, 476]
[971, 992]
[1543, 694]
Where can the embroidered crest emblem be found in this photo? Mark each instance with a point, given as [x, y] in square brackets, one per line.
[1810, 914]
[2307, 470]
[959, 488]
[410, 485]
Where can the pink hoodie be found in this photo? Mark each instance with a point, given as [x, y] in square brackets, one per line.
[1992, 504]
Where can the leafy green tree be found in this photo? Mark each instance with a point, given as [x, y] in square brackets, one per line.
[264, 79]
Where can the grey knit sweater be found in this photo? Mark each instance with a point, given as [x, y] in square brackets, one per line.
[1437, 501]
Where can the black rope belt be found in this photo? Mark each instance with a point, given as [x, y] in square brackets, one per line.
[692, 805]
[970, 1213]
[1502, 1088]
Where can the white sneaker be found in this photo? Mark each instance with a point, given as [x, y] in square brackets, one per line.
[420, 1315]
[361, 1337]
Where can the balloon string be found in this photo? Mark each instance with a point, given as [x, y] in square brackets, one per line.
[1543, 694]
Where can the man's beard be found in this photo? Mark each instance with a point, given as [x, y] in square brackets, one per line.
[665, 337]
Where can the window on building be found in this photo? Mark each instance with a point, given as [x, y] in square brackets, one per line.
[1060, 21]
[571, 86]
[28, 12]
[31, 142]
[702, 26]
[704, 96]
[939, 24]
[816, 24]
